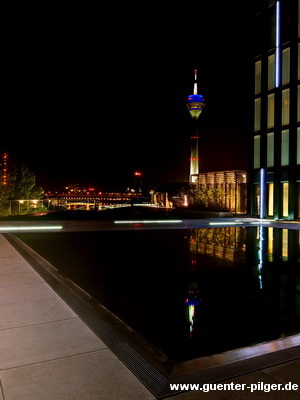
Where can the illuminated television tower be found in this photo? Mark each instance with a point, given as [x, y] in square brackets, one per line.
[195, 104]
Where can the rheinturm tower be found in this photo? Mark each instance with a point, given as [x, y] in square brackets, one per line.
[195, 104]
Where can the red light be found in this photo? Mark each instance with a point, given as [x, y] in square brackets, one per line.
[137, 174]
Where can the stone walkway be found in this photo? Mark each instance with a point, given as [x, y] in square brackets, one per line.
[46, 351]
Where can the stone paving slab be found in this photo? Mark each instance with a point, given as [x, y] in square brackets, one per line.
[285, 373]
[21, 293]
[46, 341]
[95, 376]
[13, 315]
[22, 278]
[12, 266]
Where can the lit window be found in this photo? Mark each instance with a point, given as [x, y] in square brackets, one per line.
[270, 149]
[256, 163]
[298, 146]
[298, 60]
[271, 199]
[257, 114]
[285, 109]
[271, 71]
[257, 77]
[271, 109]
[285, 199]
[298, 105]
[285, 147]
[299, 207]
[286, 66]
[298, 19]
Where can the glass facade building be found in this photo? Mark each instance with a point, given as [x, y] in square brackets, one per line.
[231, 186]
[275, 170]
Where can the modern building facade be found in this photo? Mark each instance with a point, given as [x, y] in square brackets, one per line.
[231, 186]
[275, 171]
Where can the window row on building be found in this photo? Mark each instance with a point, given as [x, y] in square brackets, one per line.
[285, 109]
[286, 155]
[286, 104]
[275, 169]
[272, 70]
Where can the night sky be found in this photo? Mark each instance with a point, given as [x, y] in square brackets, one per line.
[92, 95]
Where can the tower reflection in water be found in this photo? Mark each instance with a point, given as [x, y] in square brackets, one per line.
[192, 301]
[270, 255]
[226, 243]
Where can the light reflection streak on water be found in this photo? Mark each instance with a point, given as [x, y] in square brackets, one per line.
[260, 255]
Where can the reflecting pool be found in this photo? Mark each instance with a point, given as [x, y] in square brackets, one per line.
[189, 292]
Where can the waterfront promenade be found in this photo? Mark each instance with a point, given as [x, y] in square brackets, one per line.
[48, 352]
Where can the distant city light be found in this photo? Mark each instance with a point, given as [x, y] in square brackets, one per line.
[4, 170]
[185, 201]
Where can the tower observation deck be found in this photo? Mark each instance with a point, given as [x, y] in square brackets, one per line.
[195, 105]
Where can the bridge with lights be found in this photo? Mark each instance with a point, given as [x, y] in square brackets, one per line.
[93, 201]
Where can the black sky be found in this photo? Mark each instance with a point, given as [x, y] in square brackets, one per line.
[91, 95]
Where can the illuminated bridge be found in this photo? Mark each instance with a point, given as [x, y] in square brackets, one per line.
[69, 201]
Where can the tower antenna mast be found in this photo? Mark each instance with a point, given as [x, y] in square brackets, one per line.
[195, 84]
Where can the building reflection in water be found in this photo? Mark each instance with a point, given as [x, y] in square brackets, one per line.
[228, 243]
[271, 257]
[280, 276]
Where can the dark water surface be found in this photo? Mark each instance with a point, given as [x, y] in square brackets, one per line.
[189, 292]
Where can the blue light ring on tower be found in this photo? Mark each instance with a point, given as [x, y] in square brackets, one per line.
[195, 98]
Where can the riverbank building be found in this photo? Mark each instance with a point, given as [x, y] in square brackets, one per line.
[274, 173]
